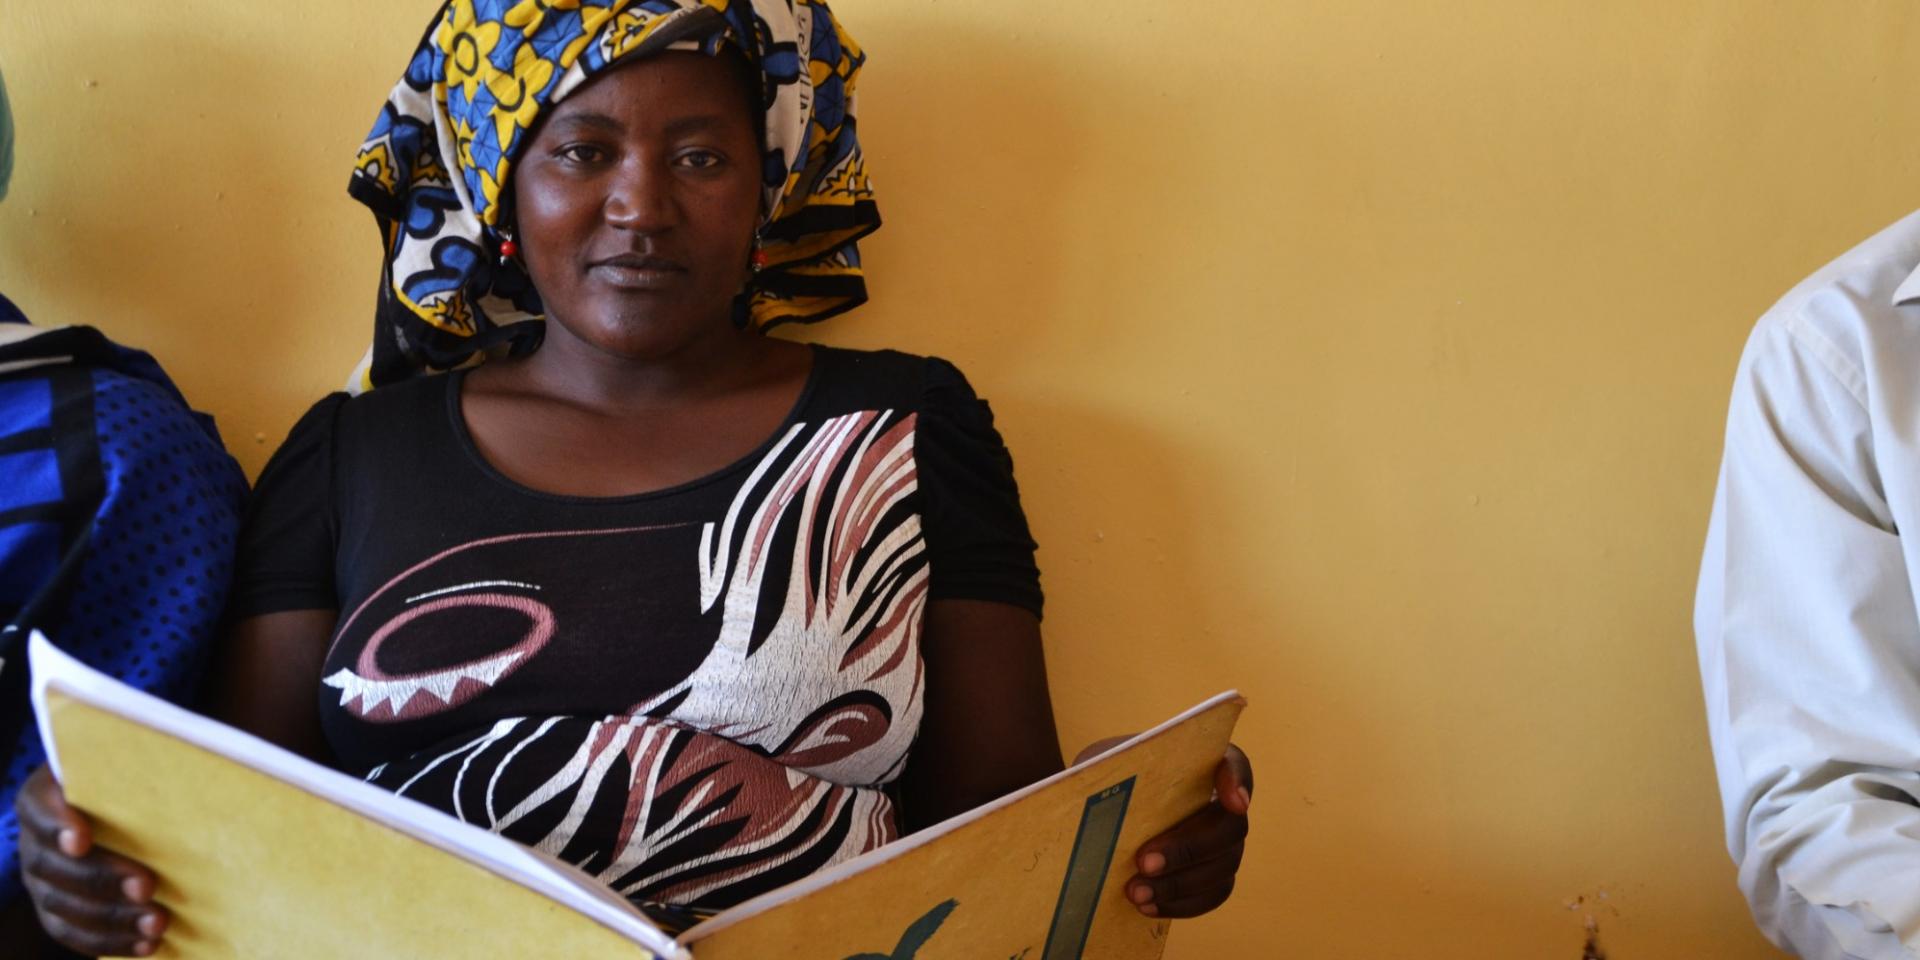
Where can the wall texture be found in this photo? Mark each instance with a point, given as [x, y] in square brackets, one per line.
[1368, 355]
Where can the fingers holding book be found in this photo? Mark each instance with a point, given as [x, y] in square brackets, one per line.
[1190, 869]
[88, 898]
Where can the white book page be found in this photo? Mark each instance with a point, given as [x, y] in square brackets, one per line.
[865, 861]
[54, 669]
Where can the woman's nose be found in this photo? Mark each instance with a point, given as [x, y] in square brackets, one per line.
[640, 198]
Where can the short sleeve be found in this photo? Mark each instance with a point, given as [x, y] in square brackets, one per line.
[978, 543]
[287, 544]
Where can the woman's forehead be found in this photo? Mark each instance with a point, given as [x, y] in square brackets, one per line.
[667, 87]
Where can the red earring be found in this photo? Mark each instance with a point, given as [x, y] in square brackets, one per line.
[508, 249]
[759, 259]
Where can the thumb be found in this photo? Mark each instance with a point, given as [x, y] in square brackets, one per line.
[71, 831]
[1233, 781]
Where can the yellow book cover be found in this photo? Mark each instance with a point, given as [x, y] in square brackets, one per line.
[263, 854]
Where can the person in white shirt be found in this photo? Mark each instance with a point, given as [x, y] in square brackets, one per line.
[1809, 641]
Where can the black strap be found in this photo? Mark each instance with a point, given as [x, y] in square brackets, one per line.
[83, 485]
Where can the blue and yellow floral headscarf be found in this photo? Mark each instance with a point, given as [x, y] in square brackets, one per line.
[435, 167]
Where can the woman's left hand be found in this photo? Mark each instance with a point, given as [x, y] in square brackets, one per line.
[1189, 870]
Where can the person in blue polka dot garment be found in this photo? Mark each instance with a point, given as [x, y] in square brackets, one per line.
[119, 509]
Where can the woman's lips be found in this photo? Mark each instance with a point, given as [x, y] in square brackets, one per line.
[637, 273]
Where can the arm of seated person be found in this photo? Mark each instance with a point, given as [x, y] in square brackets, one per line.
[988, 730]
[265, 676]
[99, 903]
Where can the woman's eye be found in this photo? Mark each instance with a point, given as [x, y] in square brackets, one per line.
[580, 153]
[700, 159]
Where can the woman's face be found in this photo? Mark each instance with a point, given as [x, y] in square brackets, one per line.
[636, 204]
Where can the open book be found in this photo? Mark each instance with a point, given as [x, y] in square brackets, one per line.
[264, 854]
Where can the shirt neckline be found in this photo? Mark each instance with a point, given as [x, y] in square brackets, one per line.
[464, 438]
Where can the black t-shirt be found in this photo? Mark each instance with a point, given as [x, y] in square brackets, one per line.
[694, 693]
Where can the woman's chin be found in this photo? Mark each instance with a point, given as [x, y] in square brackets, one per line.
[644, 336]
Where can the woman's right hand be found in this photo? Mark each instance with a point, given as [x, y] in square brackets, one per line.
[89, 899]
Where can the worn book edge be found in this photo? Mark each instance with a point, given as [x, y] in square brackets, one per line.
[55, 670]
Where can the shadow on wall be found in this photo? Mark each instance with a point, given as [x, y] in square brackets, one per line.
[974, 223]
[988, 255]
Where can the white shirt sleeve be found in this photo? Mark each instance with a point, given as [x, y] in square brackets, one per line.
[1810, 655]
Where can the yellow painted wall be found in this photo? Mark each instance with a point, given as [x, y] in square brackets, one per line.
[1369, 355]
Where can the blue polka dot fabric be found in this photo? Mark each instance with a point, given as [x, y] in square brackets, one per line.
[150, 505]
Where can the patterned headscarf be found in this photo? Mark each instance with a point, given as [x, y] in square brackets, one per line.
[435, 167]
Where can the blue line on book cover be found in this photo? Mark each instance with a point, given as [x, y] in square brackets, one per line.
[1087, 871]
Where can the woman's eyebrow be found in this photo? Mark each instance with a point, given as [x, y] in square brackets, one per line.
[679, 126]
[587, 119]
[698, 123]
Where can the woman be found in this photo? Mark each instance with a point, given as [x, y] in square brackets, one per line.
[697, 609]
